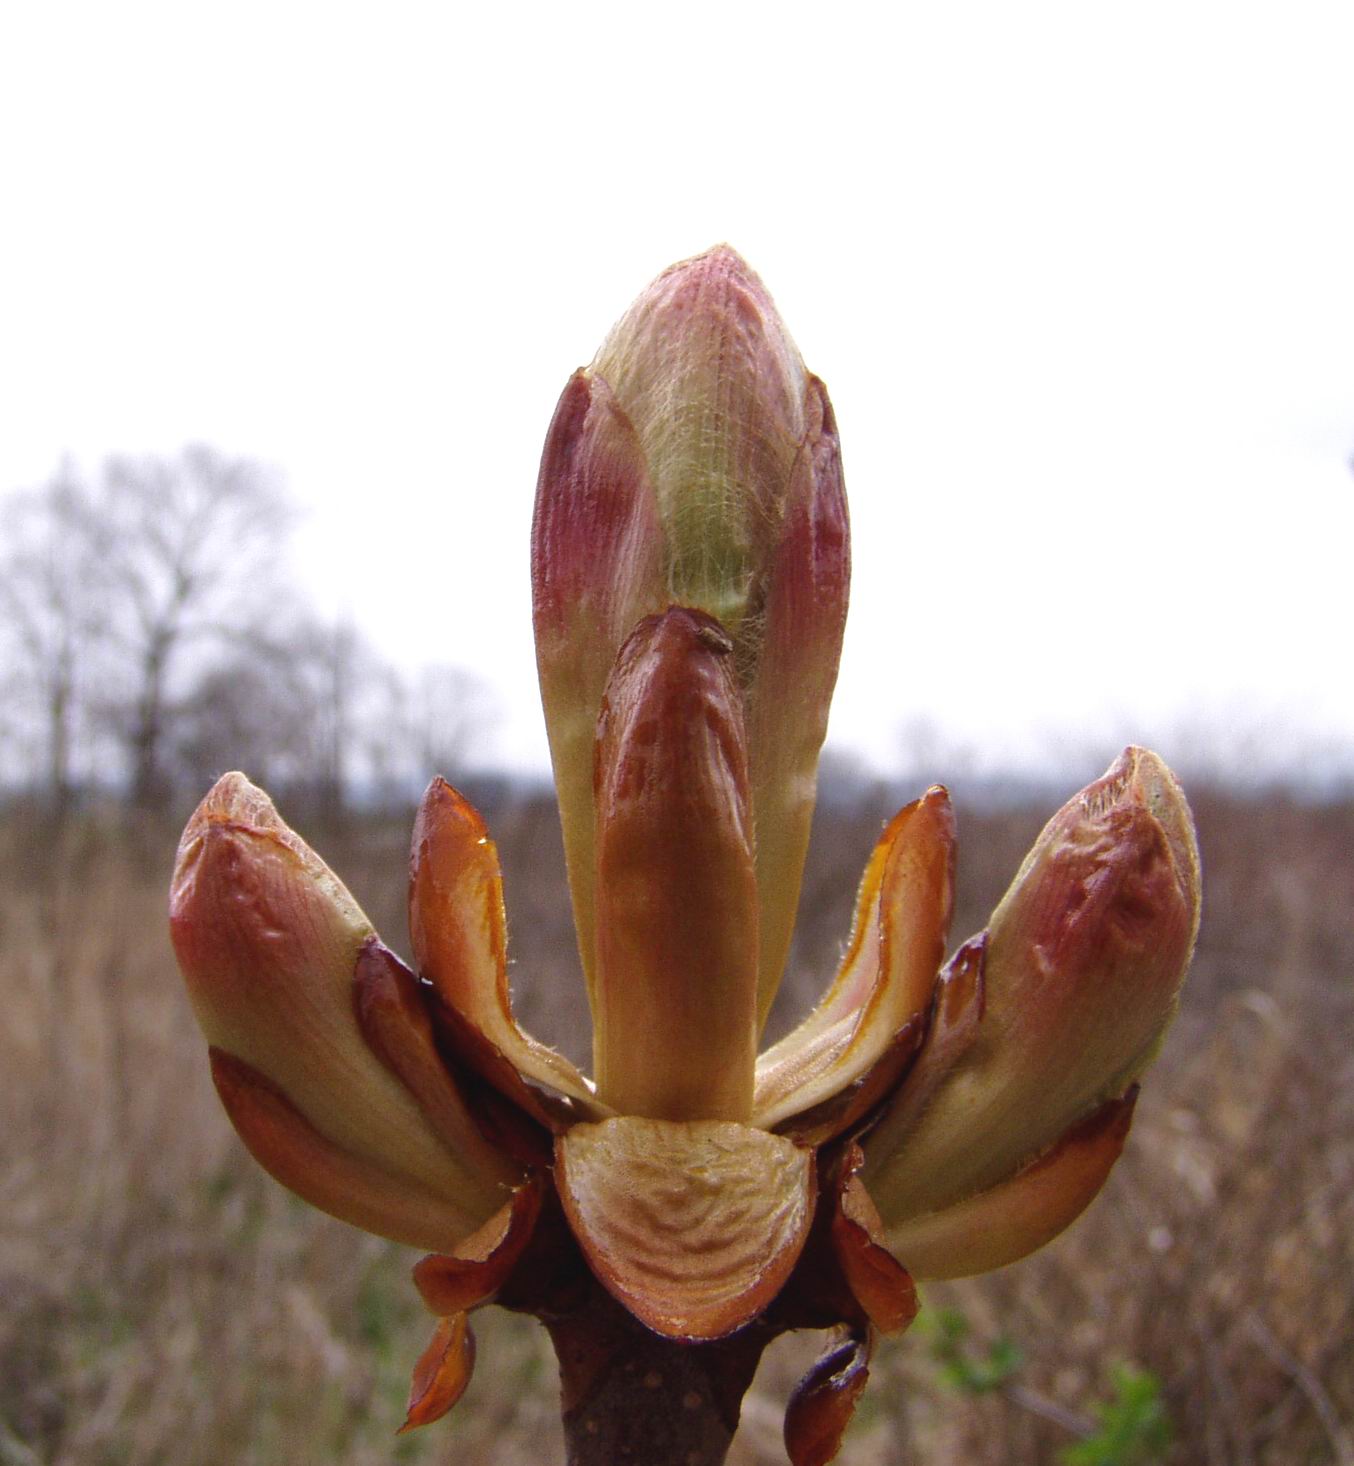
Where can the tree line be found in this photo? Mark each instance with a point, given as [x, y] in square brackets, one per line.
[151, 637]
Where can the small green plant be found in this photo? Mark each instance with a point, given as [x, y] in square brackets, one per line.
[1132, 1428]
[961, 1366]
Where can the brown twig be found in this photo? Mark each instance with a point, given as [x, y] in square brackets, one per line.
[1342, 1444]
[630, 1395]
[1072, 1421]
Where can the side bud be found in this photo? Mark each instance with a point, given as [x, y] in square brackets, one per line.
[1084, 960]
[269, 940]
[696, 463]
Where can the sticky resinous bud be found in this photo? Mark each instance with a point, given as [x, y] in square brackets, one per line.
[695, 463]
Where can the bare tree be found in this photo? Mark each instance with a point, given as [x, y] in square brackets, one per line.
[449, 711]
[189, 549]
[341, 666]
[152, 612]
[249, 710]
[310, 707]
[49, 615]
[332, 707]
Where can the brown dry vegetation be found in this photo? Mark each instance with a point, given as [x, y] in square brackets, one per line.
[164, 1302]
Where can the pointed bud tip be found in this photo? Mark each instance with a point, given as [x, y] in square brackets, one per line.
[1113, 880]
[231, 808]
[712, 307]
[1142, 778]
[233, 800]
[936, 800]
[1132, 826]
[705, 372]
[719, 261]
[673, 636]
[253, 910]
[442, 799]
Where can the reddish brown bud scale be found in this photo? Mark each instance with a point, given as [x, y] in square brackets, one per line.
[885, 983]
[479, 1266]
[1022, 1214]
[442, 1373]
[693, 1226]
[803, 618]
[598, 563]
[882, 1286]
[825, 1400]
[394, 1021]
[596, 529]
[459, 935]
[676, 1006]
[336, 1181]
[951, 1027]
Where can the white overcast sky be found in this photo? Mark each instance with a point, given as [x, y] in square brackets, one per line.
[1080, 278]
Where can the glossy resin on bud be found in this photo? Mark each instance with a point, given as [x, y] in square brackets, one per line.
[695, 463]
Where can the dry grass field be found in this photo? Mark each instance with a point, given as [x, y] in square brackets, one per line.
[165, 1304]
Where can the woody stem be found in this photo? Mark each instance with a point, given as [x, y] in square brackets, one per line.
[630, 1395]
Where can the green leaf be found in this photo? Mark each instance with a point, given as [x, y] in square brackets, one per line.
[963, 1368]
[1133, 1427]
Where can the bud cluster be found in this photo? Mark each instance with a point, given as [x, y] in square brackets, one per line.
[928, 1119]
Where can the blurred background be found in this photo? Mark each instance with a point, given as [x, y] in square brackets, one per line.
[286, 298]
